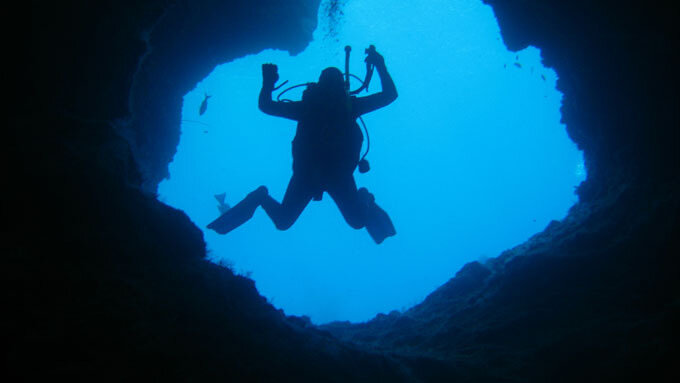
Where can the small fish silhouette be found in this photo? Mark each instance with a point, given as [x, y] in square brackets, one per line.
[505, 66]
[543, 77]
[517, 57]
[204, 105]
[518, 65]
[223, 207]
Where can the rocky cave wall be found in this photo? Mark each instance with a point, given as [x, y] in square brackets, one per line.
[185, 45]
[131, 63]
[616, 70]
[616, 63]
[102, 281]
[595, 296]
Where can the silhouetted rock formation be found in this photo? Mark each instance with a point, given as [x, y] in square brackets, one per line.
[594, 297]
[110, 284]
[101, 281]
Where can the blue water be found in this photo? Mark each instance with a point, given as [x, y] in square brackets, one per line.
[469, 161]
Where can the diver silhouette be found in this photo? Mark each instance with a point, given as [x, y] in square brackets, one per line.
[326, 151]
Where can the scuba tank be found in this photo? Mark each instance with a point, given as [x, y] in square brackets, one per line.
[363, 164]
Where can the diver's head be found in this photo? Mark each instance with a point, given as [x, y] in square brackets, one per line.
[332, 79]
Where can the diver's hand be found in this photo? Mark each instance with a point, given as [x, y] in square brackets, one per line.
[270, 75]
[374, 58]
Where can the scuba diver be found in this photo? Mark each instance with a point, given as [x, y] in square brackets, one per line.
[326, 151]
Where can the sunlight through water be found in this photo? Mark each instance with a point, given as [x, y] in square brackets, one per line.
[470, 160]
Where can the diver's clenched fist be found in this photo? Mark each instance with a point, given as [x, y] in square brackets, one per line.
[270, 75]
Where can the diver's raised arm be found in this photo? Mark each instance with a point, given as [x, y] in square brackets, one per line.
[290, 110]
[389, 90]
[388, 94]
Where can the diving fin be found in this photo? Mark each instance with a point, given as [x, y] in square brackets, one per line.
[240, 213]
[378, 223]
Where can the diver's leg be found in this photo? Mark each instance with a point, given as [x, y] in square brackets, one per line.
[344, 192]
[239, 213]
[295, 200]
[360, 210]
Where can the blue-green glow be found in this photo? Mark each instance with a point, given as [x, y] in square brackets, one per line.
[469, 161]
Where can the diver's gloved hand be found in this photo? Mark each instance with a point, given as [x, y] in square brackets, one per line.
[374, 58]
[270, 76]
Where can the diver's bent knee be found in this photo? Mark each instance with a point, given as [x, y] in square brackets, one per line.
[284, 225]
[356, 223]
[357, 226]
[356, 220]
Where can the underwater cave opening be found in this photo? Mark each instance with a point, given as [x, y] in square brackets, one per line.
[470, 160]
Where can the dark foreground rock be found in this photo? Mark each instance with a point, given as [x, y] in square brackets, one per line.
[101, 282]
[562, 307]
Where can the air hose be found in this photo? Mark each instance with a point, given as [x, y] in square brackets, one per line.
[363, 163]
[278, 98]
